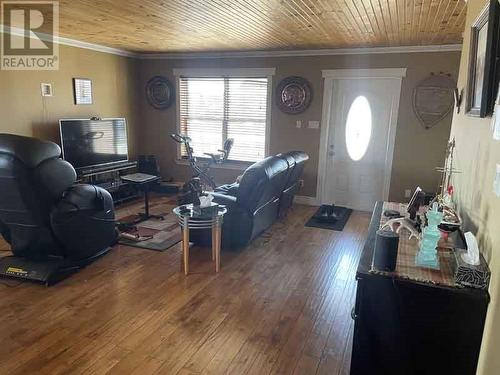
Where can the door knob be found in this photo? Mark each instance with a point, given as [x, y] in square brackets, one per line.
[354, 316]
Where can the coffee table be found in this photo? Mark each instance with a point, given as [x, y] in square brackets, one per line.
[191, 220]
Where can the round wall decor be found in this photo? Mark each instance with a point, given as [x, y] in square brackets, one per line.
[160, 92]
[293, 94]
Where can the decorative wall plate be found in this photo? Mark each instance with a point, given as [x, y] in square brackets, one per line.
[160, 92]
[293, 95]
[433, 99]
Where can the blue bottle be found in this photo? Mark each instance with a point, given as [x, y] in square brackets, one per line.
[427, 254]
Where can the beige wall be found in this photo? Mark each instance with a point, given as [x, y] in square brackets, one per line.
[476, 156]
[118, 84]
[119, 87]
[24, 111]
[417, 151]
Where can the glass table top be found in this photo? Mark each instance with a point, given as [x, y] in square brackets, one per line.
[188, 210]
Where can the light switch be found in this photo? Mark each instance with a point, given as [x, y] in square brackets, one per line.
[46, 89]
[313, 125]
[496, 124]
[496, 118]
[298, 124]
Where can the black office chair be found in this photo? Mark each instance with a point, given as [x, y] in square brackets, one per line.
[54, 227]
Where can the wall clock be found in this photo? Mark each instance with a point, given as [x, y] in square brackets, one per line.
[160, 92]
[293, 95]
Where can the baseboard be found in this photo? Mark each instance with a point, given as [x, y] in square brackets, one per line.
[305, 200]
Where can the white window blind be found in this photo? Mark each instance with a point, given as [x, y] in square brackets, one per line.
[214, 109]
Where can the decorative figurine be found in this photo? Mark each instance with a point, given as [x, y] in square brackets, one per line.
[451, 220]
[447, 172]
[427, 254]
[402, 223]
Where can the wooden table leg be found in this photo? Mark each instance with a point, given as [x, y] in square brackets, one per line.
[217, 247]
[214, 243]
[185, 246]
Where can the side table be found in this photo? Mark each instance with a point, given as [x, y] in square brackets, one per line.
[188, 219]
[142, 181]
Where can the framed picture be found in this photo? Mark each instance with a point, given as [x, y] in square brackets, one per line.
[82, 88]
[483, 61]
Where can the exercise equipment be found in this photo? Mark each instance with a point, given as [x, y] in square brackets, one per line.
[201, 179]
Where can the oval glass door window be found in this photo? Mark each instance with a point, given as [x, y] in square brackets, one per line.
[358, 128]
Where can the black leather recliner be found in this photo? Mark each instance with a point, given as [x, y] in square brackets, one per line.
[254, 204]
[54, 227]
[296, 161]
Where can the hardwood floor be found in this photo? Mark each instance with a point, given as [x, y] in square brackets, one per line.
[280, 306]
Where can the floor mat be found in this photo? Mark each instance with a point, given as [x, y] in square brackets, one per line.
[162, 234]
[342, 214]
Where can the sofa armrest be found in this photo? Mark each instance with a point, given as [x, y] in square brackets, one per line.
[229, 189]
[227, 200]
[238, 222]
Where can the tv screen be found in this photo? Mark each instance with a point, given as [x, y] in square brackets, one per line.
[87, 143]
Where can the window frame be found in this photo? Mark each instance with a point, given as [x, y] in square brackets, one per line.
[226, 73]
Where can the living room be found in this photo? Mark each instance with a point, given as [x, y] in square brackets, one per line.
[199, 187]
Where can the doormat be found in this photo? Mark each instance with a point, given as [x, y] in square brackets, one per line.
[341, 213]
[159, 235]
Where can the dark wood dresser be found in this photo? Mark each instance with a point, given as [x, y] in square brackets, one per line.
[408, 327]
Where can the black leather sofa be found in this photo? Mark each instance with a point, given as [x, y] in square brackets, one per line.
[54, 227]
[264, 193]
[296, 161]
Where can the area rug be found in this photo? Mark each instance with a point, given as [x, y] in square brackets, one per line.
[159, 235]
[342, 214]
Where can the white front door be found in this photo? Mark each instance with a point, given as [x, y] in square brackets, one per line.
[360, 141]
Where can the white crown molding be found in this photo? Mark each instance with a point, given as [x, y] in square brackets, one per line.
[71, 42]
[364, 73]
[297, 53]
[96, 47]
[242, 54]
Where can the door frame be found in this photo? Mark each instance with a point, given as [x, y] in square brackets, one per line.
[332, 75]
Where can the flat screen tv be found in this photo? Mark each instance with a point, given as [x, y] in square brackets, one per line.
[91, 143]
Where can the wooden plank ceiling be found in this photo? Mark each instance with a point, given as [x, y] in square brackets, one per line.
[237, 25]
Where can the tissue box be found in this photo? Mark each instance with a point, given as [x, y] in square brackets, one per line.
[469, 275]
[210, 210]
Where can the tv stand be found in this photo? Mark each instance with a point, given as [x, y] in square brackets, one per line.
[88, 172]
[109, 177]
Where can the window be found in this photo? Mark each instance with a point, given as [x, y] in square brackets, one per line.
[358, 128]
[214, 108]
